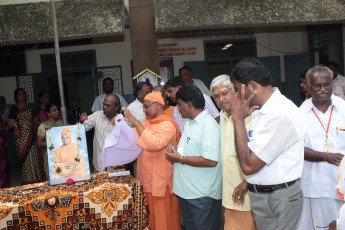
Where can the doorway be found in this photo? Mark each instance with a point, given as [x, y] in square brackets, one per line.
[78, 91]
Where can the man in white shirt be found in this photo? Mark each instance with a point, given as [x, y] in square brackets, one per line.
[186, 73]
[271, 154]
[136, 107]
[103, 122]
[324, 149]
[108, 88]
[171, 87]
[338, 80]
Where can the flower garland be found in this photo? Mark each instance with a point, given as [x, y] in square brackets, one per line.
[56, 163]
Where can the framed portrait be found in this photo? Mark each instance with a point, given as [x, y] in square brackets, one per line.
[67, 154]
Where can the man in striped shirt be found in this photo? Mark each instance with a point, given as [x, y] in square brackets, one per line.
[103, 122]
[171, 87]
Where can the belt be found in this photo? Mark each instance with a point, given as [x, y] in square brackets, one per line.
[269, 188]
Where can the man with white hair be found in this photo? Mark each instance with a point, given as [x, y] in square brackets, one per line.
[324, 149]
[235, 199]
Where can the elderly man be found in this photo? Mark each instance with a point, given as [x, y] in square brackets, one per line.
[171, 87]
[271, 154]
[154, 171]
[186, 73]
[324, 149]
[338, 81]
[136, 107]
[197, 168]
[235, 196]
[103, 122]
[108, 88]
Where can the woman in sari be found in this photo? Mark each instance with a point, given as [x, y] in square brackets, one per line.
[44, 98]
[21, 120]
[4, 179]
[52, 113]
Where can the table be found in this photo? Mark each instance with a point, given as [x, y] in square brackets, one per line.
[100, 203]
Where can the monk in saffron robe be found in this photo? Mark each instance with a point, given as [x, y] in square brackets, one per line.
[154, 171]
[66, 155]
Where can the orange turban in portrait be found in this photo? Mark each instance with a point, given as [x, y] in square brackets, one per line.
[66, 131]
[156, 97]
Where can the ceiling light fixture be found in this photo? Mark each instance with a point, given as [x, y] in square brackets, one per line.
[227, 46]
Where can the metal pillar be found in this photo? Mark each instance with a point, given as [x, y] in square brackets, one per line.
[58, 64]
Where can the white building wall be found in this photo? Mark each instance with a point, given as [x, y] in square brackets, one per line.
[197, 45]
[268, 44]
[119, 53]
[280, 44]
[107, 54]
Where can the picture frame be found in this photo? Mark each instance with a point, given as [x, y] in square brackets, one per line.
[166, 68]
[67, 154]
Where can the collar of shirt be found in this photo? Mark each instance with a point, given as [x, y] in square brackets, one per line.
[267, 107]
[309, 103]
[139, 103]
[105, 117]
[226, 116]
[199, 118]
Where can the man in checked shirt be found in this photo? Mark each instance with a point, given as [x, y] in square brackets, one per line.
[171, 87]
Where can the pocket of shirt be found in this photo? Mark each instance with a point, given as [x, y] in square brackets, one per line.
[193, 146]
[341, 137]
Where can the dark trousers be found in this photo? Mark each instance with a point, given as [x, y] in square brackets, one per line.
[201, 213]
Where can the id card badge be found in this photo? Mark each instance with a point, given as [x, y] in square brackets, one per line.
[328, 147]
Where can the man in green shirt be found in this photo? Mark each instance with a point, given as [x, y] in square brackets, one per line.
[197, 168]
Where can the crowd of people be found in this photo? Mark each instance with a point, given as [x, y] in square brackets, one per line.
[256, 162]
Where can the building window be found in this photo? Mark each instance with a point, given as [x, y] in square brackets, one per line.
[326, 44]
[12, 63]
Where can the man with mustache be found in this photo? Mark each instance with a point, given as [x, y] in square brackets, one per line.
[324, 149]
[235, 196]
[197, 163]
[171, 88]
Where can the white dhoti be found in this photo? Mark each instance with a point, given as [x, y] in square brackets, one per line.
[317, 213]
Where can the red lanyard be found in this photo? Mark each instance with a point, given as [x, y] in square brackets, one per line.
[329, 121]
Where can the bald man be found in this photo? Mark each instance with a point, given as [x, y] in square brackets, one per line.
[103, 122]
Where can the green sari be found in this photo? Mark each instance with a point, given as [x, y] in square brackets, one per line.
[42, 131]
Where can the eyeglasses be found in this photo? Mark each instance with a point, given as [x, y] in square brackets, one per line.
[146, 106]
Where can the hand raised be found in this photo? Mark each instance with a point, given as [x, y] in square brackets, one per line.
[128, 115]
[240, 106]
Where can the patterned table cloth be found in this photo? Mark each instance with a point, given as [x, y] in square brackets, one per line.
[100, 203]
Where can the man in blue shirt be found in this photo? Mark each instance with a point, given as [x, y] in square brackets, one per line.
[197, 169]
